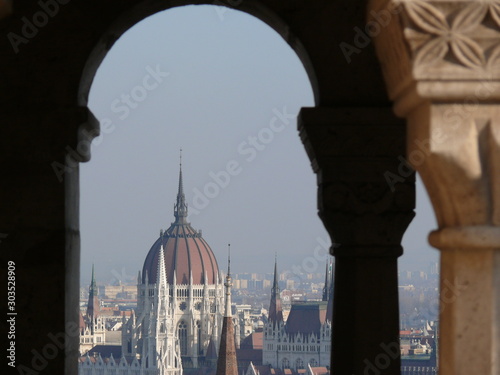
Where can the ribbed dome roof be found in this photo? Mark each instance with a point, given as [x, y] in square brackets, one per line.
[186, 253]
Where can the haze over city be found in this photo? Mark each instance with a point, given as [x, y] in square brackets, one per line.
[225, 88]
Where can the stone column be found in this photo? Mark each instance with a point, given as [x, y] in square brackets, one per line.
[355, 153]
[440, 61]
[39, 233]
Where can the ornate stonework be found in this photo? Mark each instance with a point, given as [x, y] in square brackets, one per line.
[446, 84]
[364, 151]
[464, 40]
[425, 47]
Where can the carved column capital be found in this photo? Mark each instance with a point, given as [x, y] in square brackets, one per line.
[437, 50]
[352, 151]
[441, 61]
[355, 151]
[76, 127]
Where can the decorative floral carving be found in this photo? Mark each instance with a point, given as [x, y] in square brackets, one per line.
[454, 35]
[432, 21]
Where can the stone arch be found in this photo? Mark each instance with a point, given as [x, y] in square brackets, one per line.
[285, 363]
[299, 363]
[134, 15]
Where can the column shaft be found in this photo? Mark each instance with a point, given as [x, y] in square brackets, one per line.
[356, 152]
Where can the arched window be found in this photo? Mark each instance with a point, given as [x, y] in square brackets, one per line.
[313, 362]
[182, 333]
[285, 363]
[299, 363]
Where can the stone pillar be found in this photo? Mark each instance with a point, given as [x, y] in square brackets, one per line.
[39, 233]
[355, 153]
[440, 61]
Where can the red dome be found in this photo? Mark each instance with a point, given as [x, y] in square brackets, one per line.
[186, 252]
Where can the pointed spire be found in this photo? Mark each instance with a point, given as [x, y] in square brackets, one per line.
[161, 274]
[228, 259]
[326, 287]
[275, 309]
[227, 363]
[93, 301]
[276, 288]
[180, 208]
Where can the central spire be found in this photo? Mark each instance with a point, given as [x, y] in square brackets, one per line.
[180, 208]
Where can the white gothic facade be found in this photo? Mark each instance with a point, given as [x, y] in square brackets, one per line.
[92, 324]
[304, 340]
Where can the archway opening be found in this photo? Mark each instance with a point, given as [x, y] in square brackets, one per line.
[250, 147]
[226, 89]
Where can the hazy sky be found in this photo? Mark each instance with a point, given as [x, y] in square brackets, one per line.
[226, 88]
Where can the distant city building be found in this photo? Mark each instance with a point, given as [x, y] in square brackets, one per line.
[267, 370]
[434, 268]
[119, 291]
[245, 322]
[419, 350]
[304, 341]
[92, 324]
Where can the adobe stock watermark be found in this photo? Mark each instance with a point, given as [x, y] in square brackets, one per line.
[56, 344]
[122, 107]
[362, 38]
[449, 294]
[122, 278]
[31, 26]
[391, 351]
[311, 264]
[249, 149]
[382, 361]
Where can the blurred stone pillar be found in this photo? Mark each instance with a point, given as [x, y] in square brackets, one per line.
[441, 65]
[39, 234]
[366, 199]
